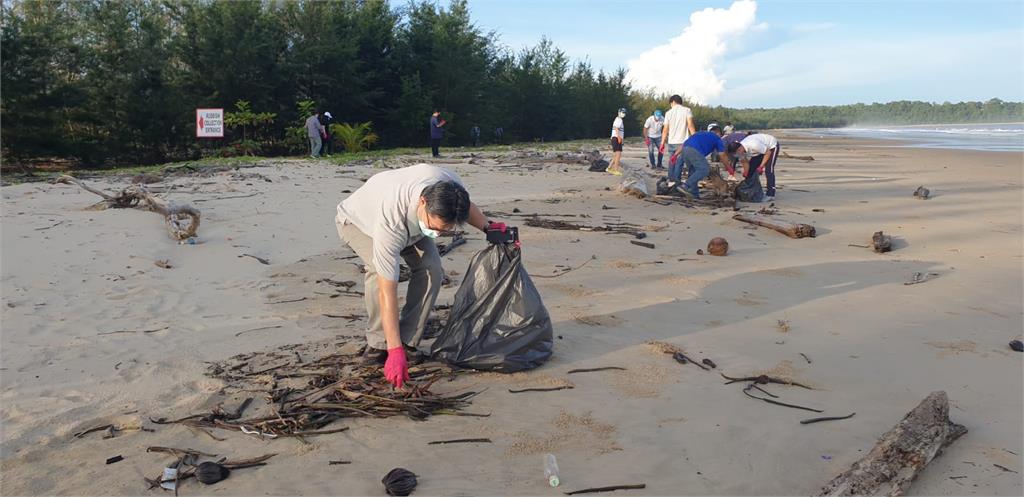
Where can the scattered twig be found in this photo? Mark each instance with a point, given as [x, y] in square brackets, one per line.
[262, 260]
[334, 463]
[114, 459]
[226, 198]
[300, 299]
[746, 391]
[808, 359]
[545, 389]
[591, 370]
[349, 317]
[607, 489]
[762, 379]
[258, 329]
[461, 441]
[1004, 468]
[642, 244]
[592, 257]
[133, 331]
[51, 226]
[682, 358]
[827, 418]
[858, 245]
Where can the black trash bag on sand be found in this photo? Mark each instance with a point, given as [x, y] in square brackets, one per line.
[750, 190]
[497, 322]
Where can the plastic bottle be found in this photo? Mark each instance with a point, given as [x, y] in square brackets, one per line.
[551, 469]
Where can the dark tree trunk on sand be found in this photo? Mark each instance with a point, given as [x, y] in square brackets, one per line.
[792, 230]
[902, 453]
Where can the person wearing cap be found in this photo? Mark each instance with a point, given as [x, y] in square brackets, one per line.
[727, 129]
[694, 156]
[436, 133]
[328, 138]
[759, 152]
[678, 127]
[393, 218]
[315, 131]
[652, 137]
[618, 133]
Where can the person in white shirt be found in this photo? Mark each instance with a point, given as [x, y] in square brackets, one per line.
[678, 127]
[618, 133]
[652, 137]
[759, 152]
[394, 217]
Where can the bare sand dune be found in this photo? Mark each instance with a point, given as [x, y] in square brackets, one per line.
[817, 310]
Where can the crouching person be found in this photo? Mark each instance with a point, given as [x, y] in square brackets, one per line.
[395, 216]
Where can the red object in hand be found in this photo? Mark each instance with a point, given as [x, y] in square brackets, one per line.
[760, 170]
[396, 368]
[497, 226]
[661, 149]
[442, 123]
[647, 141]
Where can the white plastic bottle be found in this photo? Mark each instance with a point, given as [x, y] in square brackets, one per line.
[551, 469]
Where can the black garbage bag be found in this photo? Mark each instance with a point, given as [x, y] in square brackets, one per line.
[749, 190]
[497, 321]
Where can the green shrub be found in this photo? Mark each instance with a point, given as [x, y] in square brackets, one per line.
[355, 138]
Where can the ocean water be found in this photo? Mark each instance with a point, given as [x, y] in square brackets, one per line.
[997, 137]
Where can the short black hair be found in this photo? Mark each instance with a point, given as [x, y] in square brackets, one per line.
[676, 98]
[715, 128]
[447, 200]
[733, 147]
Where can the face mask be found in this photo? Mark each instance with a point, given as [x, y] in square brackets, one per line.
[427, 232]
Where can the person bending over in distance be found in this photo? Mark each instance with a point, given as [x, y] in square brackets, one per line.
[652, 137]
[759, 151]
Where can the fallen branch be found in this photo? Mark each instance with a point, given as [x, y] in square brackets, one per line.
[902, 453]
[763, 379]
[258, 329]
[545, 389]
[785, 155]
[592, 257]
[182, 220]
[746, 391]
[262, 260]
[591, 370]
[827, 418]
[133, 331]
[607, 489]
[461, 441]
[792, 230]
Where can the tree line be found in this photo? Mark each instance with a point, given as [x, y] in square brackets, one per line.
[118, 81]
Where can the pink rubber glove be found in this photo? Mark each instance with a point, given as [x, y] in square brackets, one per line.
[396, 368]
[647, 141]
[661, 149]
[760, 170]
[497, 226]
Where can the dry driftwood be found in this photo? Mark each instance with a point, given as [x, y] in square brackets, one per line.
[881, 242]
[182, 220]
[792, 230]
[902, 453]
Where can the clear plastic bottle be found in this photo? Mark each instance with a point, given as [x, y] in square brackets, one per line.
[551, 470]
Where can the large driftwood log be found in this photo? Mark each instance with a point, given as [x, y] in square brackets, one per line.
[182, 220]
[792, 230]
[902, 453]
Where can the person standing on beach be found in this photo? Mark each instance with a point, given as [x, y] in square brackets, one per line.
[436, 133]
[395, 216]
[618, 133]
[678, 127]
[694, 156]
[763, 151]
[652, 137]
[474, 135]
[328, 138]
[315, 130]
[728, 129]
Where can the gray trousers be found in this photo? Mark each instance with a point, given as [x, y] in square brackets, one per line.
[425, 279]
[314, 146]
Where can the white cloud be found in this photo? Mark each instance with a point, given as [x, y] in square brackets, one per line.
[686, 64]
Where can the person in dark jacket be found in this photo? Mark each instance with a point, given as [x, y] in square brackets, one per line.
[326, 119]
[436, 133]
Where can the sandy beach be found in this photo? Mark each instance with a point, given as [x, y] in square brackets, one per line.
[817, 310]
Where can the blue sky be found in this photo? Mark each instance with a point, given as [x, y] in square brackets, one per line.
[788, 52]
